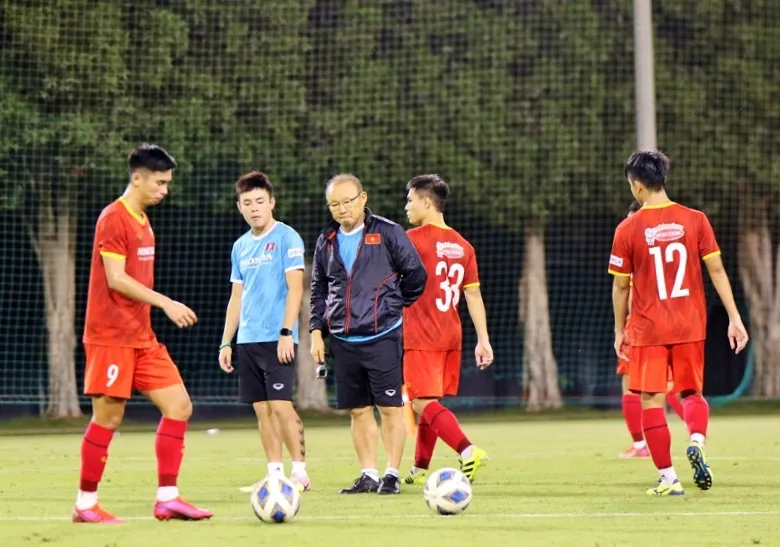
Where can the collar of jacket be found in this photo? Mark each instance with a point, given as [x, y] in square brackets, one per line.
[332, 228]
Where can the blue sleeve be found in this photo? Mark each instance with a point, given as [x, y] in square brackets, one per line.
[293, 252]
[235, 272]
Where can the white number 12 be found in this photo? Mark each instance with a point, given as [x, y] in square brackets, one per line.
[677, 289]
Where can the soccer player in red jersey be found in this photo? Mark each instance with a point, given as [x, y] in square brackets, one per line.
[122, 351]
[432, 329]
[631, 404]
[661, 247]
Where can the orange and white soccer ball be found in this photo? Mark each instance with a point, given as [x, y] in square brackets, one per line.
[447, 491]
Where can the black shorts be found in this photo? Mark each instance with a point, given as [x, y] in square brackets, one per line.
[261, 377]
[368, 373]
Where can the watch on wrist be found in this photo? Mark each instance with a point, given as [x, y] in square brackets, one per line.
[285, 332]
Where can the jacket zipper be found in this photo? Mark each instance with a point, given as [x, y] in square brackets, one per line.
[376, 302]
[349, 281]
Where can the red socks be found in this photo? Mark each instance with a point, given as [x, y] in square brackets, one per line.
[696, 414]
[675, 404]
[445, 425]
[169, 446]
[632, 414]
[659, 440]
[426, 442]
[94, 454]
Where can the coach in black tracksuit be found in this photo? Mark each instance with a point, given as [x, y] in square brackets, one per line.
[365, 272]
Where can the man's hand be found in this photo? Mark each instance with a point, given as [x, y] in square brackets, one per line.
[285, 350]
[225, 359]
[317, 347]
[738, 336]
[180, 314]
[484, 354]
[621, 341]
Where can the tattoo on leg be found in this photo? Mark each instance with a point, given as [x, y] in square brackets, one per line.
[301, 437]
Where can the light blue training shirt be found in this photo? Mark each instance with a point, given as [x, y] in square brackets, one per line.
[260, 263]
[348, 248]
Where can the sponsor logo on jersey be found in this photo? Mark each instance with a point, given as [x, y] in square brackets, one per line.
[447, 249]
[295, 252]
[145, 253]
[616, 261]
[664, 232]
[254, 261]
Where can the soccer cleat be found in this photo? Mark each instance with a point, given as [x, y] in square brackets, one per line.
[95, 514]
[632, 452]
[301, 482]
[418, 476]
[362, 485]
[178, 509]
[702, 475]
[470, 466]
[390, 484]
[661, 489]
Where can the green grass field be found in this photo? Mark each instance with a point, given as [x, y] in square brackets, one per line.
[548, 483]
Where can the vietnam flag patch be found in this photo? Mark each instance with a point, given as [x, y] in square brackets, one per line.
[373, 239]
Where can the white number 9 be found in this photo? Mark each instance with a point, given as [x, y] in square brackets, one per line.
[112, 373]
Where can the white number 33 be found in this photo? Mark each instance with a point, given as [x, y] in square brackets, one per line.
[451, 278]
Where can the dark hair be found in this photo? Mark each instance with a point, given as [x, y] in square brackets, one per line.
[254, 180]
[151, 157]
[649, 167]
[433, 187]
[634, 207]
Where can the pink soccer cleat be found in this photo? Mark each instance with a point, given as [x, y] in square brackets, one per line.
[95, 515]
[178, 509]
[301, 482]
[632, 452]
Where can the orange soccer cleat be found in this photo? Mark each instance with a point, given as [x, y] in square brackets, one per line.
[95, 514]
[632, 452]
[178, 509]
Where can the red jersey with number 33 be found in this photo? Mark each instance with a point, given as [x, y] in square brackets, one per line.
[432, 323]
[661, 248]
[112, 318]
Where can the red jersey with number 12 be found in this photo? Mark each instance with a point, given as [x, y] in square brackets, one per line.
[432, 323]
[661, 248]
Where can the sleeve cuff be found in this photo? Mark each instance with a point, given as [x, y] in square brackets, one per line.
[618, 274]
[109, 254]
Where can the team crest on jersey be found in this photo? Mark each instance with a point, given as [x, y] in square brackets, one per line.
[447, 249]
[270, 246]
[664, 232]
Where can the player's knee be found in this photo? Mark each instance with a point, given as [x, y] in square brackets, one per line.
[418, 405]
[361, 413]
[284, 410]
[178, 409]
[108, 412]
[687, 393]
[262, 410]
[391, 413]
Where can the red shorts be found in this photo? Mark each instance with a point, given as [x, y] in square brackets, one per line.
[650, 367]
[623, 365]
[116, 371]
[431, 374]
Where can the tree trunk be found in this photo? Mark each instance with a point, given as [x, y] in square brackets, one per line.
[540, 371]
[311, 393]
[54, 239]
[759, 270]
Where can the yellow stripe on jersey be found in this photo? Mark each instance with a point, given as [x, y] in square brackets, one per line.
[708, 256]
[618, 274]
[108, 254]
[471, 285]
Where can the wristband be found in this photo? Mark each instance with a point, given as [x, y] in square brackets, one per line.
[225, 345]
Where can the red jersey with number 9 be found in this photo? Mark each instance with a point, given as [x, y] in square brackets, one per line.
[432, 323]
[661, 248]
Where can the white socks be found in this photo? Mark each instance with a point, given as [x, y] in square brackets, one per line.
[392, 471]
[167, 493]
[373, 473]
[639, 445]
[697, 438]
[85, 500]
[299, 468]
[467, 452]
[275, 469]
[668, 476]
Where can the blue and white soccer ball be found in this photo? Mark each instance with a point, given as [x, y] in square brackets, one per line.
[447, 491]
[275, 500]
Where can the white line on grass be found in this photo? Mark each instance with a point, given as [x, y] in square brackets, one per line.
[503, 516]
